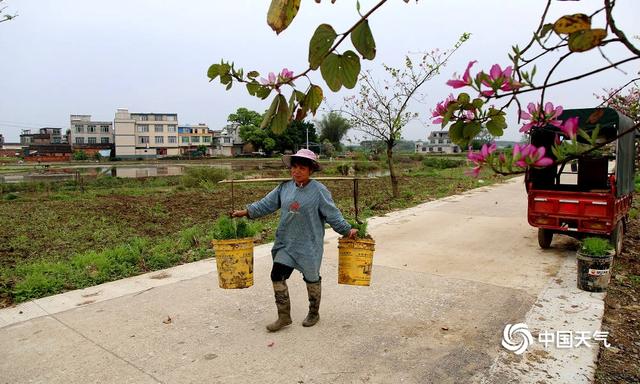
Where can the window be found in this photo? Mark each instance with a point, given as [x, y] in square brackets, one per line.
[143, 128]
[173, 139]
[79, 140]
[92, 140]
[56, 140]
[104, 140]
[227, 140]
[206, 139]
[195, 139]
[159, 118]
[104, 128]
[171, 118]
[79, 128]
[430, 149]
[185, 140]
[424, 149]
[144, 117]
[143, 139]
[159, 128]
[439, 149]
[171, 128]
[91, 128]
[159, 139]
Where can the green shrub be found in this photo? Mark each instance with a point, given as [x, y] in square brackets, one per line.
[442, 163]
[633, 214]
[343, 169]
[11, 196]
[198, 177]
[365, 166]
[80, 155]
[596, 246]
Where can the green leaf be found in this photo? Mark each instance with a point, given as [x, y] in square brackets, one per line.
[471, 130]
[213, 72]
[455, 132]
[582, 41]
[299, 96]
[320, 44]
[477, 103]
[464, 98]
[252, 88]
[363, 41]
[229, 85]
[350, 69]
[572, 23]
[496, 126]
[266, 120]
[225, 78]
[281, 14]
[358, 6]
[253, 74]
[330, 70]
[544, 31]
[313, 99]
[263, 92]
[281, 118]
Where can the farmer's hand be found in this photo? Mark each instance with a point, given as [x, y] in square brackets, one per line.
[241, 213]
[352, 233]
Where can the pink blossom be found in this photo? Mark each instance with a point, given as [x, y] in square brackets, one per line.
[441, 109]
[570, 127]
[525, 155]
[270, 81]
[499, 79]
[466, 78]
[480, 158]
[539, 117]
[286, 74]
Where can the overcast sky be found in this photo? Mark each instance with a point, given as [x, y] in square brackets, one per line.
[90, 57]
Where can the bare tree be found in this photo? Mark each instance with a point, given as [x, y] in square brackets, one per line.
[380, 109]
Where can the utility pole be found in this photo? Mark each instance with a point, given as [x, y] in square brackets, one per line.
[307, 137]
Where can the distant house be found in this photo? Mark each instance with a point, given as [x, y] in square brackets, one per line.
[84, 131]
[437, 142]
[145, 135]
[227, 142]
[191, 137]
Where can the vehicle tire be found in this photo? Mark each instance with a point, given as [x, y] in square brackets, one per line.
[617, 237]
[544, 238]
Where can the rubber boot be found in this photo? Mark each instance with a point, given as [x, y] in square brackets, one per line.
[315, 292]
[281, 292]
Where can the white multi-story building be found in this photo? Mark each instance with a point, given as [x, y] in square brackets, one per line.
[437, 142]
[146, 134]
[85, 131]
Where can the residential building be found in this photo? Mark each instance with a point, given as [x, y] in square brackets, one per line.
[190, 137]
[45, 136]
[227, 142]
[437, 142]
[83, 131]
[145, 135]
[1, 139]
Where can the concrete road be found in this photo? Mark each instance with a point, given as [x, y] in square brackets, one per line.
[448, 276]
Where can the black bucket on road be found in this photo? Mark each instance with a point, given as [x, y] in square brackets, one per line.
[594, 272]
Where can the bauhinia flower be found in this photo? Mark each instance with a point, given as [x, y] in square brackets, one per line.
[539, 117]
[273, 80]
[480, 158]
[499, 79]
[466, 78]
[529, 155]
[441, 109]
[570, 127]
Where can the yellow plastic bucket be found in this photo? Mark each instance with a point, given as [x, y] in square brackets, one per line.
[234, 259]
[355, 261]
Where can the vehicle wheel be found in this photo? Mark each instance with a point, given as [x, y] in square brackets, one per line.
[617, 236]
[544, 238]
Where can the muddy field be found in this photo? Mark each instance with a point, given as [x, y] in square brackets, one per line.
[621, 364]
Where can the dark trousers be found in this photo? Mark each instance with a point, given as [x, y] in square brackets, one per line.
[281, 272]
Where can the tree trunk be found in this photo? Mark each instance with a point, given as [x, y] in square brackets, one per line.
[392, 173]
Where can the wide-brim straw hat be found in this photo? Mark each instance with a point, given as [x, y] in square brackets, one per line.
[304, 154]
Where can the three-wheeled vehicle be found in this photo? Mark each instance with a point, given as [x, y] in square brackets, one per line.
[594, 195]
